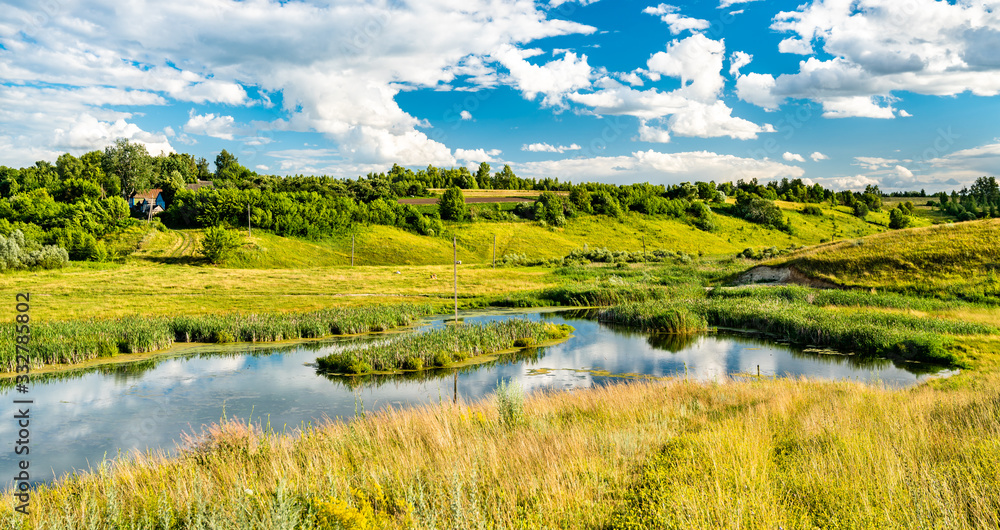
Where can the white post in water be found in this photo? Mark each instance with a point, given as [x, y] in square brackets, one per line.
[454, 262]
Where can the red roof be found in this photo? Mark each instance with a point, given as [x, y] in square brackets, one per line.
[150, 195]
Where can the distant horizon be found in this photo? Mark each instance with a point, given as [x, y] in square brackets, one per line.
[898, 95]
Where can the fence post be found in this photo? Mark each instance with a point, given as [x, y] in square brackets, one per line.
[454, 262]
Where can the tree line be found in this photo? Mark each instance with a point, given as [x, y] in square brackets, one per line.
[79, 203]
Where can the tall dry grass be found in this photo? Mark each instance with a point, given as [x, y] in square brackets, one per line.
[762, 454]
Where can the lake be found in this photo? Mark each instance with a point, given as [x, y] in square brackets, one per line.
[79, 418]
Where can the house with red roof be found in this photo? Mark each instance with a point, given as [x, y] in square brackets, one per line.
[148, 200]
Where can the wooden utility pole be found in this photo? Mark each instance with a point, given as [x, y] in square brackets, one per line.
[249, 230]
[454, 261]
[352, 251]
[494, 251]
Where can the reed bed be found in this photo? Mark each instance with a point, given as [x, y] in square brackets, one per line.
[864, 334]
[763, 454]
[77, 341]
[582, 296]
[439, 347]
[667, 316]
[796, 314]
[840, 297]
[805, 316]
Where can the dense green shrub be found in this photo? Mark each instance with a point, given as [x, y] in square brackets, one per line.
[452, 205]
[899, 218]
[761, 211]
[860, 210]
[220, 244]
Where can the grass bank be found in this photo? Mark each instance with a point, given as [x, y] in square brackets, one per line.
[854, 322]
[440, 347]
[949, 261]
[767, 454]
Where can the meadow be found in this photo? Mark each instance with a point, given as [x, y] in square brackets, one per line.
[755, 453]
[165, 275]
[759, 454]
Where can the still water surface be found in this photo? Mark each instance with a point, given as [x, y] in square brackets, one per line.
[79, 419]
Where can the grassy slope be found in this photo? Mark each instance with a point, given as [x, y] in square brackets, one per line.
[762, 454]
[276, 273]
[382, 245]
[960, 259]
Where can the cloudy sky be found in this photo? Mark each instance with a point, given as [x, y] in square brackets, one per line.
[900, 93]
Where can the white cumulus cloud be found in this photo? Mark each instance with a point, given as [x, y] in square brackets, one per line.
[477, 155]
[793, 157]
[543, 147]
[675, 21]
[876, 48]
[211, 125]
[337, 66]
[694, 109]
[659, 168]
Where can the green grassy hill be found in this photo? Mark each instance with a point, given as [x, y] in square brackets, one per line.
[384, 245]
[276, 273]
[950, 260]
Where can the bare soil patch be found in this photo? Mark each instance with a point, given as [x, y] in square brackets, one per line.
[763, 274]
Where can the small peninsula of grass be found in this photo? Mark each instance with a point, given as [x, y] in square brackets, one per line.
[440, 347]
[665, 316]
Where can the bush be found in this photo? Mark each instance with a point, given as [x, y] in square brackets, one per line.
[442, 358]
[580, 198]
[860, 210]
[20, 252]
[452, 205]
[550, 209]
[812, 209]
[700, 216]
[604, 204]
[510, 404]
[761, 211]
[898, 218]
[220, 244]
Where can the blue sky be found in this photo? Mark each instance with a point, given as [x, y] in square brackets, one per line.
[899, 93]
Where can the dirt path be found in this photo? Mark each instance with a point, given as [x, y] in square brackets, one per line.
[185, 247]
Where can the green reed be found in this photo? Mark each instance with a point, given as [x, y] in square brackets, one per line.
[439, 347]
[77, 341]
